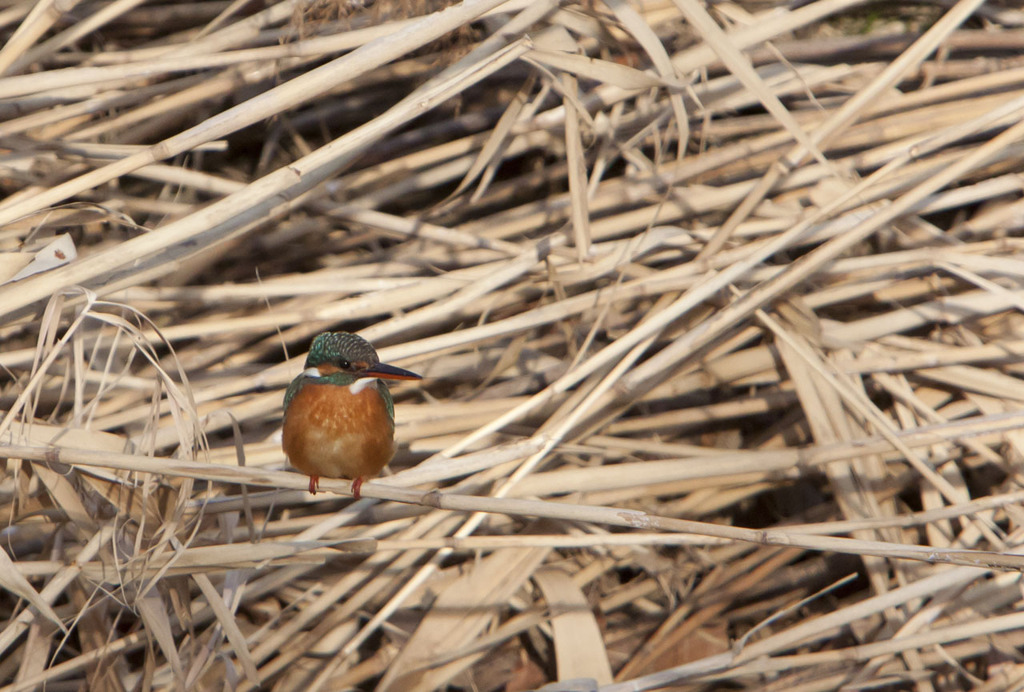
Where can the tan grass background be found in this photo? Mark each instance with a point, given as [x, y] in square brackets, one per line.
[718, 308]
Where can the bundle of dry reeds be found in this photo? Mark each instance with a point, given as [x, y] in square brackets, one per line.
[719, 311]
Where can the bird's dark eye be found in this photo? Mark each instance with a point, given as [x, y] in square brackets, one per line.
[344, 364]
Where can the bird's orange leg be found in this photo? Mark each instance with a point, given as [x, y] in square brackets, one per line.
[356, 485]
[314, 484]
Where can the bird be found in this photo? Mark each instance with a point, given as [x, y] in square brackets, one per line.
[339, 417]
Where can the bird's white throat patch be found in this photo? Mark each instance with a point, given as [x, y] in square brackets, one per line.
[361, 384]
[356, 387]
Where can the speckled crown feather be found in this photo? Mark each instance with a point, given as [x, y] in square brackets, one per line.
[330, 346]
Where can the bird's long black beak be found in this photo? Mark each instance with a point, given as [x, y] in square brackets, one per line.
[389, 372]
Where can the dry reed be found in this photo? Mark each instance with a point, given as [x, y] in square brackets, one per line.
[718, 308]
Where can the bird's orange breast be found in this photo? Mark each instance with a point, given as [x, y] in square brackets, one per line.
[331, 432]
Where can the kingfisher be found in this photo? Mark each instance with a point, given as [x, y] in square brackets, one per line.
[339, 417]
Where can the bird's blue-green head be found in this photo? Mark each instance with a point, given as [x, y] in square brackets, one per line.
[346, 360]
[341, 351]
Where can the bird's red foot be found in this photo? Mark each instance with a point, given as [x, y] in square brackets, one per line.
[314, 484]
[356, 485]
